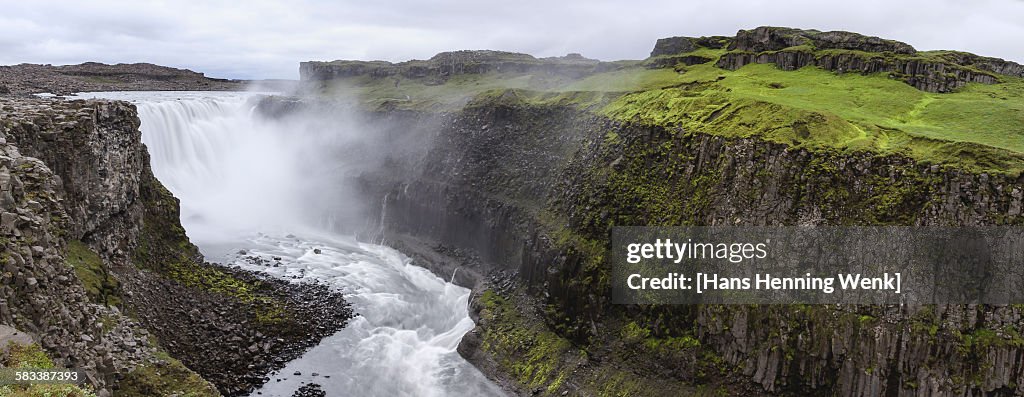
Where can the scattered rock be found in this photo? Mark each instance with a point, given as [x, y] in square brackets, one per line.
[310, 390]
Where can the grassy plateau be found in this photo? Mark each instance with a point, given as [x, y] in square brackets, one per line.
[980, 127]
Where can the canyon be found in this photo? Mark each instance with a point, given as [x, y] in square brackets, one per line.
[505, 174]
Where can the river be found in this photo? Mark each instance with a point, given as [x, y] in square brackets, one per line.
[254, 186]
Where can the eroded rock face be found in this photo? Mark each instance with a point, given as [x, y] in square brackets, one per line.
[841, 52]
[673, 45]
[78, 171]
[96, 149]
[41, 294]
[923, 74]
[767, 38]
[678, 45]
[500, 171]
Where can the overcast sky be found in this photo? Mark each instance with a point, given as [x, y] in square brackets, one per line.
[267, 39]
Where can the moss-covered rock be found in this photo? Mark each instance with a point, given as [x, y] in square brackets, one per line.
[99, 283]
[33, 357]
[164, 376]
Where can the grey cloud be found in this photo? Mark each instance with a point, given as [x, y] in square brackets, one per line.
[267, 39]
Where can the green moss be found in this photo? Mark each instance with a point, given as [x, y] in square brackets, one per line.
[817, 109]
[621, 384]
[212, 279]
[979, 127]
[271, 312]
[32, 356]
[542, 361]
[983, 339]
[164, 376]
[99, 284]
[164, 248]
[672, 344]
[27, 356]
[634, 334]
[925, 322]
[37, 390]
[531, 354]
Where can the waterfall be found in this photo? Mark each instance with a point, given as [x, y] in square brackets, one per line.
[383, 217]
[265, 186]
[234, 173]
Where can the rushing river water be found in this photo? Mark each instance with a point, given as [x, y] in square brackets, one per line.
[246, 183]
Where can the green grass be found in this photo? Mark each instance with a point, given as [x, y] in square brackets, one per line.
[164, 377]
[99, 285]
[426, 94]
[541, 361]
[632, 79]
[32, 356]
[533, 354]
[27, 356]
[980, 127]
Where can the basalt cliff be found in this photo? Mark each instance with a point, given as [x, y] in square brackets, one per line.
[523, 166]
[98, 274]
[506, 173]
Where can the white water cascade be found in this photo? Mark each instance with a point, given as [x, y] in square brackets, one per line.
[246, 183]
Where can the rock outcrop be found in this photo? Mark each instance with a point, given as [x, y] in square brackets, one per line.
[768, 38]
[41, 292]
[841, 52]
[98, 267]
[447, 64]
[528, 193]
[92, 76]
[932, 75]
[679, 44]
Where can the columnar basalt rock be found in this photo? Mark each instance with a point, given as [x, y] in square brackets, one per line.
[767, 38]
[76, 174]
[841, 52]
[923, 74]
[505, 171]
[41, 293]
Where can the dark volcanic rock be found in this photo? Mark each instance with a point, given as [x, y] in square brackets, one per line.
[670, 61]
[768, 38]
[310, 390]
[77, 170]
[932, 75]
[447, 64]
[39, 292]
[232, 343]
[501, 161]
[679, 45]
[673, 45]
[842, 52]
[92, 76]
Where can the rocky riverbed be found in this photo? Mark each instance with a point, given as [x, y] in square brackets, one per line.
[225, 343]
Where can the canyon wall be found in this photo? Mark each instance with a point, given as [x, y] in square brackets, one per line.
[522, 198]
[99, 270]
